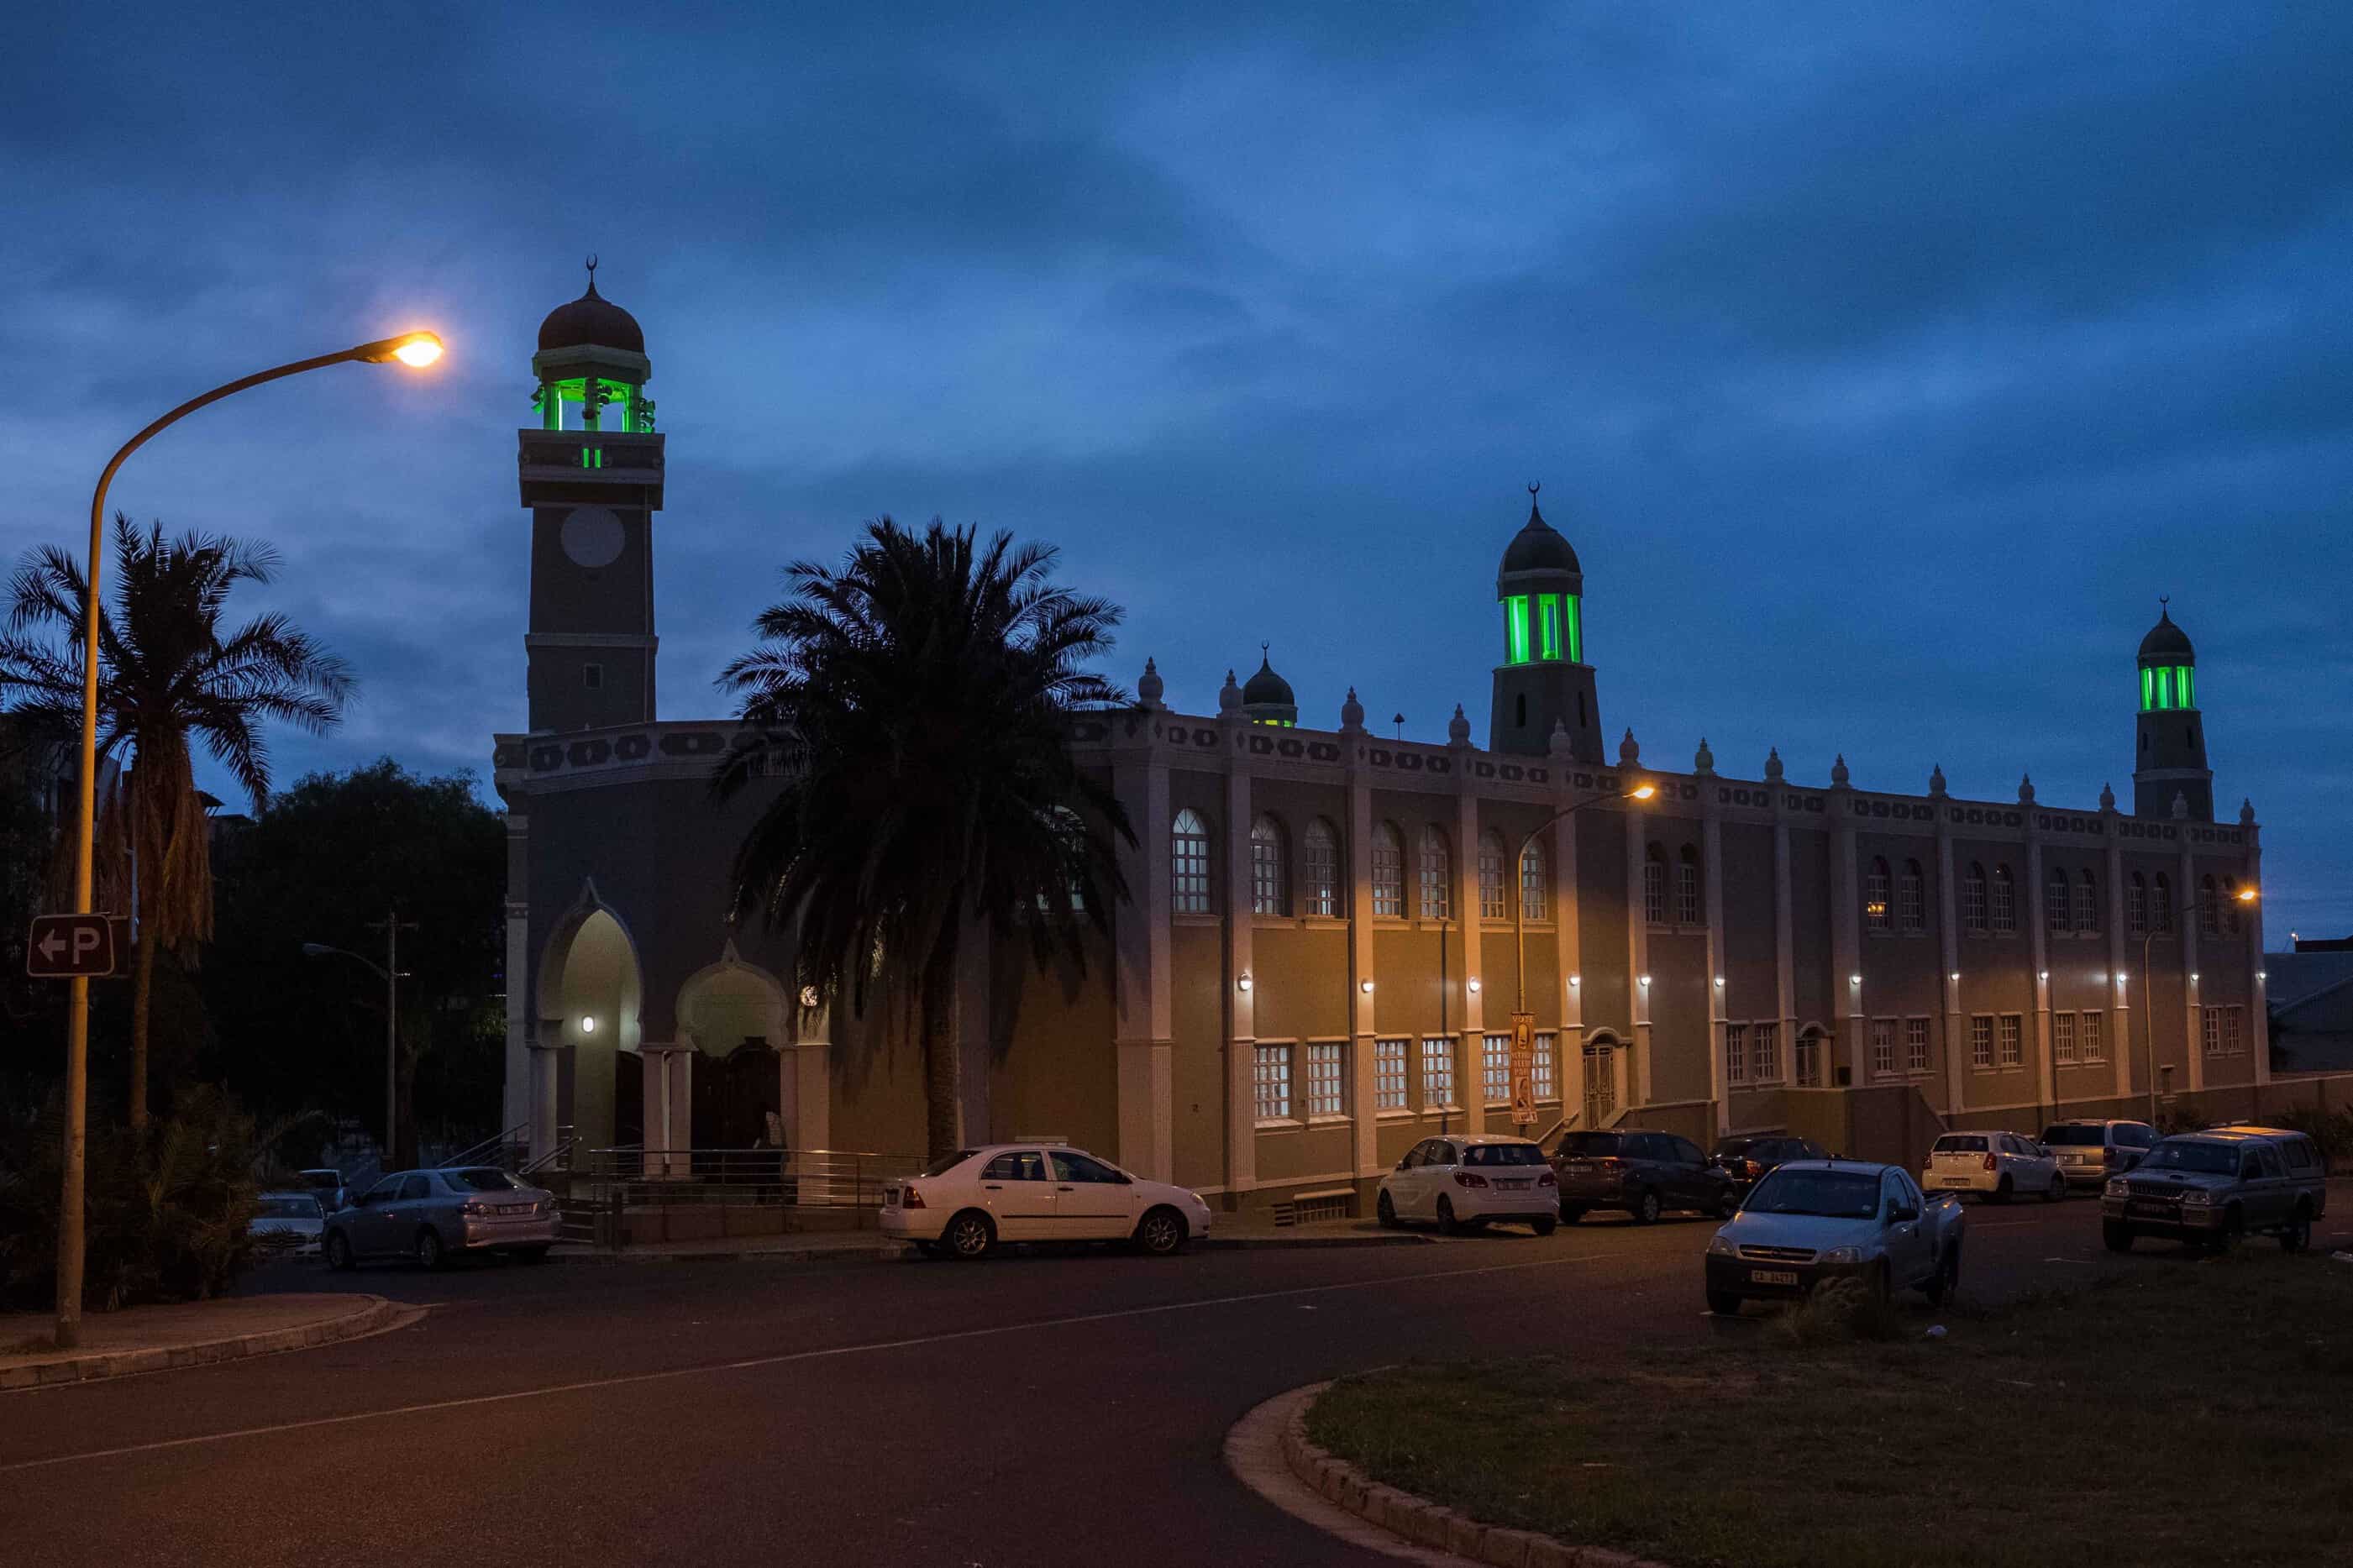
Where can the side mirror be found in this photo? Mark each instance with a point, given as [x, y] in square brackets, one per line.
[1899, 1213]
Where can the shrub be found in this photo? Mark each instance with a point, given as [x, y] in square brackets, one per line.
[168, 1217]
[2332, 1129]
[1847, 1308]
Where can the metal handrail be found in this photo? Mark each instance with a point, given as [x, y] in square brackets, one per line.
[487, 1146]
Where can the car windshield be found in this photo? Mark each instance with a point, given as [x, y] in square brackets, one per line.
[2065, 1134]
[1831, 1194]
[322, 1179]
[2207, 1159]
[487, 1180]
[1591, 1145]
[285, 1206]
[1503, 1154]
[946, 1162]
[1961, 1143]
[1729, 1146]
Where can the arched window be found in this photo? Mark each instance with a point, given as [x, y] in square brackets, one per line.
[1320, 854]
[1876, 915]
[1973, 900]
[1490, 876]
[1436, 872]
[2210, 911]
[1188, 864]
[1269, 896]
[1388, 873]
[1654, 885]
[2231, 904]
[1532, 882]
[2004, 901]
[1912, 898]
[2160, 905]
[2055, 902]
[2136, 905]
[1809, 1070]
[2088, 902]
[1687, 900]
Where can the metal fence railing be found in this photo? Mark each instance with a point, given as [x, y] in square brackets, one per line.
[603, 1187]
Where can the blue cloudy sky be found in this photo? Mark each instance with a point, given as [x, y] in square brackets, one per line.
[1883, 363]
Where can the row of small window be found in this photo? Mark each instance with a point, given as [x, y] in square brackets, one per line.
[2070, 904]
[1320, 891]
[1752, 1055]
[2225, 1030]
[1274, 1075]
[1688, 909]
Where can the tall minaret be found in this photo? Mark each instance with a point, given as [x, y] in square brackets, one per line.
[592, 476]
[2170, 749]
[1544, 678]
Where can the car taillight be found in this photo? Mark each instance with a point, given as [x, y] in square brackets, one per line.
[1469, 1179]
[1548, 1180]
[1989, 1160]
[471, 1207]
[1610, 1163]
[909, 1198]
[1753, 1168]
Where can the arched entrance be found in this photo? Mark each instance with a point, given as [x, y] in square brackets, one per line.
[589, 1000]
[735, 1016]
[1600, 1077]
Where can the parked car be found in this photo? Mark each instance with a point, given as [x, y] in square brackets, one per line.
[1642, 1172]
[2212, 1188]
[965, 1203]
[1813, 1220]
[333, 1192]
[1469, 1179]
[289, 1222]
[2091, 1150]
[1746, 1158]
[1997, 1166]
[433, 1215]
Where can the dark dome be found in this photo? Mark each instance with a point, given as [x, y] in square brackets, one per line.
[591, 321]
[1267, 689]
[1539, 547]
[2166, 643]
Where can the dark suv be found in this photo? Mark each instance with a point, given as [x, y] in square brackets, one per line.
[1644, 1174]
[1746, 1158]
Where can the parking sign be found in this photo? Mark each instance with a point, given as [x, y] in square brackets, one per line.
[70, 947]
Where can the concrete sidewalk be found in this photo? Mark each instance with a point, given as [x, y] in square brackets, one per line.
[152, 1338]
[809, 1248]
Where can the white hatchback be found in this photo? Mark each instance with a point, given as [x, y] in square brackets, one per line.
[965, 1204]
[1997, 1166]
[1469, 1179]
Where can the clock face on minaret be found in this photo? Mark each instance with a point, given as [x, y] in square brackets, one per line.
[591, 474]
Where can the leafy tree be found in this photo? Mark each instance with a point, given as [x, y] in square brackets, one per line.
[918, 699]
[169, 674]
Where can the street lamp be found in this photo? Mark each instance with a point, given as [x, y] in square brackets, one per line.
[2148, 1005]
[413, 349]
[392, 975]
[1519, 892]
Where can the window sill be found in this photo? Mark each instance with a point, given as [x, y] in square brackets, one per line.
[1395, 1113]
[1195, 919]
[1278, 1124]
[1331, 1119]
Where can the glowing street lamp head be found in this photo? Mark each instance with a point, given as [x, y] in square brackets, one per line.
[1641, 792]
[415, 350]
[2246, 895]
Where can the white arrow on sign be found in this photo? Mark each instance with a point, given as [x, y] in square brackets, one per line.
[50, 944]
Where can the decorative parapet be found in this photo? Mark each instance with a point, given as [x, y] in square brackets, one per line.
[622, 753]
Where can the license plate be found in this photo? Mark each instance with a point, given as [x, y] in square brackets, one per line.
[1953, 1181]
[1513, 1186]
[2149, 1206]
[1773, 1277]
[890, 1197]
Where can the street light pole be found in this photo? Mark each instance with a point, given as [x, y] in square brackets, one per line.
[2149, 999]
[389, 972]
[414, 349]
[1519, 891]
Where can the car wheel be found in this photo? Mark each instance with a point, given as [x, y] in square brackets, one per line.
[2056, 1191]
[2000, 1194]
[969, 1236]
[1881, 1286]
[1647, 1208]
[339, 1253]
[1948, 1278]
[1161, 1232]
[1446, 1222]
[429, 1253]
[1543, 1224]
[1385, 1213]
[2298, 1234]
[1727, 1204]
[1571, 1212]
[2234, 1229]
[1724, 1303]
[532, 1254]
[2119, 1237]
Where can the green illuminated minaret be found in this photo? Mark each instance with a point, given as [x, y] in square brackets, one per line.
[2170, 749]
[1544, 678]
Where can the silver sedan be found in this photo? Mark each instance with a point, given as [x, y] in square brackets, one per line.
[433, 1215]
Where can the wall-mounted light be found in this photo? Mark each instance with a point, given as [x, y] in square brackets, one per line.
[1575, 980]
[2042, 974]
[2193, 975]
[2262, 974]
[1719, 983]
[1244, 983]
[1473, 984]
[808, 995]
[1956, 976]
[1366, 986]
[1854, 980]
[1644, 979]
[587, 1024]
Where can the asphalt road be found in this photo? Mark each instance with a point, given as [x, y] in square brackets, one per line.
[1033, 1409]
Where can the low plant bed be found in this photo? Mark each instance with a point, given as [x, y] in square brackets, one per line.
[2190, 1412]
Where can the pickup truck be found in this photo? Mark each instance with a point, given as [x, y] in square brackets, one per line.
[1811, 1220]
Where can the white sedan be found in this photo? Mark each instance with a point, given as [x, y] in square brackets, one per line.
[1469, 1179]
[968, 1202]
[1996, 1166]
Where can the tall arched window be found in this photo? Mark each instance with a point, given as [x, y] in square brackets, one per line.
[2004, 901]
[1436, 872]
[1188, 864]
[1876, 913]
[2231, 904]
[1532, 881]
[1654, 885]
[1269, 896]
[1973, 900]
[1687, 901]
[1490, 876]
[2055, 902]
[2136, 905]
[2160, 905]
[1388, 873]
[1912, 898]
[1320, 858]
[2088, 902]
[2210, 911]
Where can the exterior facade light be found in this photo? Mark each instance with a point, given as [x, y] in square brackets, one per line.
[1644, 979]
[2042, 974]
[587, 1023]
[1956, 976]
[1366, 986]
[2193, 976]
[1473, 984]
[1243, 983]
[1854, 980]
[808, 995]
[2262, 974]
[1719, 983]
[1576, 980]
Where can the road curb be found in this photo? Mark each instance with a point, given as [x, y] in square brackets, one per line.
[887, 1249]
[374, 1314]
[1416, 1520]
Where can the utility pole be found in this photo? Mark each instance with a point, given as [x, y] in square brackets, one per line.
[392, 925]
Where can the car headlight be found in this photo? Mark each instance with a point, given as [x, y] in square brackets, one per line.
[2197, 1198]
[1720, 1245]
[1842, 1255]
[2117, 1187]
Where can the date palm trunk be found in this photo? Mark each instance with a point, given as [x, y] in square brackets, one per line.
[943, 1052]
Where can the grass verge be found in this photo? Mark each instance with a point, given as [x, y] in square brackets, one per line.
[2196, 1413]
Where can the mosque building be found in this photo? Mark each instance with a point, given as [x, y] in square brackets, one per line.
[1330, 929]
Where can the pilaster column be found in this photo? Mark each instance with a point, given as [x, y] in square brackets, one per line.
[515, 1094]
[1361, 1003]
[1948, 954]
[2259, 1017]
[1846, 935]
[2120, 1033]
[2046, 1065]
[2193, 1033]
[1569, 944]
[669, 1109]
[546, 1062]
[805, 1079]
[1237, 907]
[1785, 955]
[1638, 963]
[1712, 875]
[1141, 954]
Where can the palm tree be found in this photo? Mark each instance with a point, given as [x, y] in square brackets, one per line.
[167, 675]
[917, 703]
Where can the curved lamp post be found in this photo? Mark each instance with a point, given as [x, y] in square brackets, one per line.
[2149, 1003]
[1519, 892]
[415, 349]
